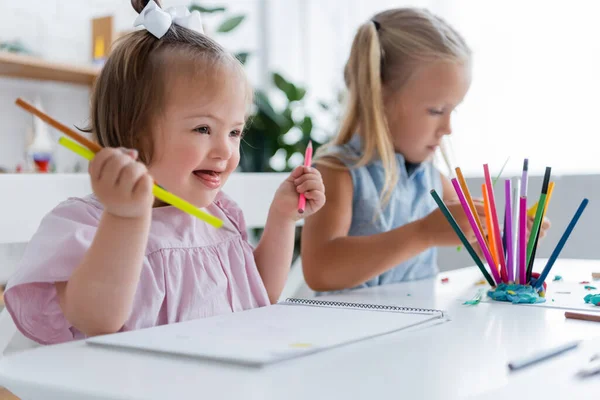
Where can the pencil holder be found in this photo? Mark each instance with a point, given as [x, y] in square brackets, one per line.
[516, 293]
[509, 250]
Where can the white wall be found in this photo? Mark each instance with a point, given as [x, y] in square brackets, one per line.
[308, 40]
[60, 30]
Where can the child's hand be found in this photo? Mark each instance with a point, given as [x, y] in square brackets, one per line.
[544, 227]
[306, 180]
[439, 231]
[122, 184]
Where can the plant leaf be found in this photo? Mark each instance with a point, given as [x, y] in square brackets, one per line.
[300, 93]
[281, 83]
[292, 92]
[500, 173]
[242, 56]
[206, 10]
[264, 106]
[230, 24]
[306, 126]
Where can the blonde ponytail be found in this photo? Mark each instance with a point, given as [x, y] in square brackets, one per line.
[384, 54]
[365, 111]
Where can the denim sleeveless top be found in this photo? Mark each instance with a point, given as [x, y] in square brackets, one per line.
[410, 200]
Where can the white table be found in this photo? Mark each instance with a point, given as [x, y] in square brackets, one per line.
[463, 358]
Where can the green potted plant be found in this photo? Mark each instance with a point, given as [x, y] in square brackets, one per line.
[264, 136]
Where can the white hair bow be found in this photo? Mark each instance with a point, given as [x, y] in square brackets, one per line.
[158, 21]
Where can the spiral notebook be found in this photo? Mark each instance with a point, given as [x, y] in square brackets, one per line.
[292, 328]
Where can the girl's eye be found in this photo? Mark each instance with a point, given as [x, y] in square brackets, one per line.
[434, 111]
[202, 129]
[236, 133]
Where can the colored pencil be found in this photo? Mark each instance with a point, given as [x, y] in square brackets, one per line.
[496, 226]
[307, 163]
[467, 193]
[508, 233]
[488, 221]
[515, 227]
[522, 264]
[584, 317]
[532, 210]
[95, 147]
[478, 234]
[561, 243]
[461, 236]
[535, 229]
[158, 192]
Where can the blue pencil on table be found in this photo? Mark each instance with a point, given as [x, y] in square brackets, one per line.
[561, 243]
[520, 364]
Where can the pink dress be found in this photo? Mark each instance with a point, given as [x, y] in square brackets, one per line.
[191, 270]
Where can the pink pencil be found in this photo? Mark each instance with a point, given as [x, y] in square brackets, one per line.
[522, 241]
[522, 245]
[478, 234]
[496, 227]
[509, 233]
[307, 163]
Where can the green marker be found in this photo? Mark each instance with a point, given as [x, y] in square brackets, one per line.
[537, 222]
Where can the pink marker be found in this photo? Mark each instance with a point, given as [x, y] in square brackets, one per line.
[509, 232]
[478, 234]
[307, 163]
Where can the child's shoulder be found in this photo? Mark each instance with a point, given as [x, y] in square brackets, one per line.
[231, 209]
[84, 209]
[346, 154]
[223, 201]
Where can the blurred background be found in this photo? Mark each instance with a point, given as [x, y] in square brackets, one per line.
[534, 91]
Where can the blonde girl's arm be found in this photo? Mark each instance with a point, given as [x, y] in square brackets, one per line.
[332, 260]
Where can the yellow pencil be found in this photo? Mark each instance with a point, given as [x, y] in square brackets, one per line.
[158, 192]
[531, 212]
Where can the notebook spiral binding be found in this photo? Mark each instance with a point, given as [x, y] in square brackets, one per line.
[366, 306]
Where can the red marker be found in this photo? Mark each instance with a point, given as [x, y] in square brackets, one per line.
[307, 163]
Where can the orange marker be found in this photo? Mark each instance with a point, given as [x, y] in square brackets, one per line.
[490, 225]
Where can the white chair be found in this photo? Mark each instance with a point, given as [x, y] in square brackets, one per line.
[27, 198]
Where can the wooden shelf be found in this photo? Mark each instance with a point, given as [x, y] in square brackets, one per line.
[28, 67]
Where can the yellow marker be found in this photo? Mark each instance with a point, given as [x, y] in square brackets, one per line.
[531, 212]
[158, 192]
[511, 292]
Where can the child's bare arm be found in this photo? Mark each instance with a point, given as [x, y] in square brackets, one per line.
[274, 253]
[332, 260]
[97, 298]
